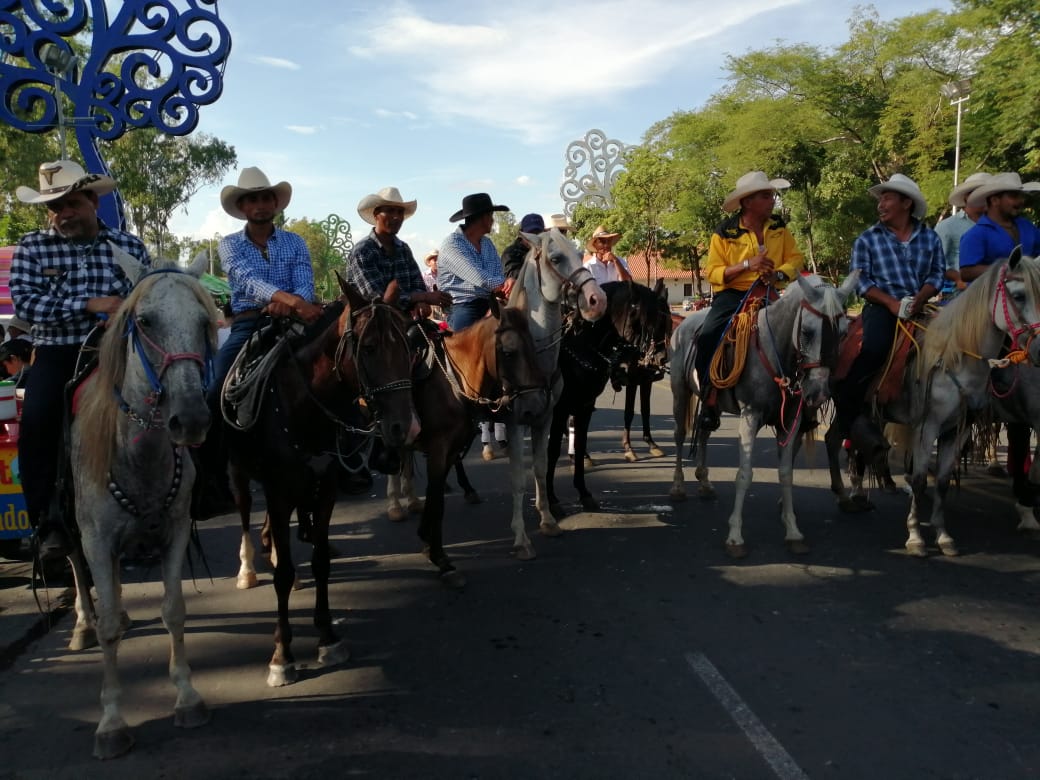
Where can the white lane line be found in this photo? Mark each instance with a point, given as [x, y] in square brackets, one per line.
[765, 743]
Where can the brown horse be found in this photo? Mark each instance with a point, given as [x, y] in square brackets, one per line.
[490, 366]
[326, 397]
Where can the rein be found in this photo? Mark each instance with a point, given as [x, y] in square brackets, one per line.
[1008, 306]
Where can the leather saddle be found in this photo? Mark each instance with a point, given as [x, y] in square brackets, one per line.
[888, 385]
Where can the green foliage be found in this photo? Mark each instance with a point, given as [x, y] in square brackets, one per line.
[324, 259]
[505, 230]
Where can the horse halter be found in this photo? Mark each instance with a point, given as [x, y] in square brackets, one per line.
[1009, 307]
[569, 285]
[350, 343]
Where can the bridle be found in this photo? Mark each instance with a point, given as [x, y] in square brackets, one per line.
[1008, 307]
[349, 344]
[570, 286]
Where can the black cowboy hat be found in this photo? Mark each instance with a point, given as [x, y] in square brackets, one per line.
[478, 203]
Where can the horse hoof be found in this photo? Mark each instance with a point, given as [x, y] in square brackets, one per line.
[487, 453]
[590, 464]
[590, 504]
[281, 674]
[396, 514]
[556, 510]
[677, 494]
[949, 549]
[453, 579]
[656, 452]
[524, 552]
[630, 456]
[82, 638]
[112, 744]
[473, 497]
[736, 551]
[550, 529]
[297, 584]
[246, 581]
[917, 549]
[706, 492]
[416, 507]
[334, 654]
[191, 717]
[797, 546]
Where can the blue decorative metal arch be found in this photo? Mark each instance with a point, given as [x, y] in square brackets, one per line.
[172, 56]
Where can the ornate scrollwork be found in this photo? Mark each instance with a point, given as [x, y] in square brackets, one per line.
[337, 233]
[604, 158]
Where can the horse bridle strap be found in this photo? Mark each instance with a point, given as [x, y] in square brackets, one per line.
[1009, 306]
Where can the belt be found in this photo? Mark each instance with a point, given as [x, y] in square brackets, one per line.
[248, 314]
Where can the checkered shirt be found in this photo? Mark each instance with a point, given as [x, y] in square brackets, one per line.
[370, 269]
[254, 279]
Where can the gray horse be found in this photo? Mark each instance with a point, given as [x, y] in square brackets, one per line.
[793, 349]
[133, 476]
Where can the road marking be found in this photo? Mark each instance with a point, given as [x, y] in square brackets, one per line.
[765, 743]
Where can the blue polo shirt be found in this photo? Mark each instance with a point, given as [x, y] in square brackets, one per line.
[986, 241]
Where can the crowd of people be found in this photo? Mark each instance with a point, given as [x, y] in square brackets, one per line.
[67, 275]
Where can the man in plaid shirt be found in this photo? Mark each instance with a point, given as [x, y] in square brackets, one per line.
[62, 278]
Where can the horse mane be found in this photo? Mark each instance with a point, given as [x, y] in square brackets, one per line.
[961, 325]
[98, 412]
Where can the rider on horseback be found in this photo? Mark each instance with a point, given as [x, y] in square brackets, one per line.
[753, 245]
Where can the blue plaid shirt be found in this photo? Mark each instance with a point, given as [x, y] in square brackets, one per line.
[52, 279]
[370, 269]
[465, 274]
[254, 279]
[896, 268]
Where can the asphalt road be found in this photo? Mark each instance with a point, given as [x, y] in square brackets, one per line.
[632, 647]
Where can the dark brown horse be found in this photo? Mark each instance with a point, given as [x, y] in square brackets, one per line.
[326, 397]
[489, 366]
[648, 368]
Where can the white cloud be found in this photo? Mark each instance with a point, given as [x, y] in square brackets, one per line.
[277, 62]
[524, 180]
[385, 113]
[302, 129]
[502, 72]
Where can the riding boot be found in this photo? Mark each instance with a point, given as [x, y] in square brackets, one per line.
[708, 419]
[52, 539]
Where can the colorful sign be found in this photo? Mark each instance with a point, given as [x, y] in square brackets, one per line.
[14, 518]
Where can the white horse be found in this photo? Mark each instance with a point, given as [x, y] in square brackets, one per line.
[949, 379]
[132, 474]
[789, 359]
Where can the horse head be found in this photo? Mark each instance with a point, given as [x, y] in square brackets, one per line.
[517, 368]
[561, 276]
[373, 358]
[818, 329]
[1016, 306]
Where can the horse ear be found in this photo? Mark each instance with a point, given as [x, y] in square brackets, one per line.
[354, 298]
[1016, 255]
[661, 289]
[343, 286]
[199, 265]
[849, 285]
[129, 264]
[496, 309]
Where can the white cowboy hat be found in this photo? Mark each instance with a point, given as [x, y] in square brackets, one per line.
[1001, 182]
[601, 232]
[904, 185]
[253, 180]
[388, 196]
[959, 194]
[560, 222]
[434, 253]
[62, 176]
[20, 324]
[755, 181]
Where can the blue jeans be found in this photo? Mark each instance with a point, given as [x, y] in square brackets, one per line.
[241, 330]
[462, 315]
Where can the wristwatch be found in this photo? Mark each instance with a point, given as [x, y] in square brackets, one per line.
[747, 264]
[781, 276]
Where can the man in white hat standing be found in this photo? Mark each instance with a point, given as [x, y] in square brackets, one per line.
[381, 257]
[1001, 228]
[899, 258]
[604, 265]
[269, 272]
[952, 228]
[753, 244]
[62, 278]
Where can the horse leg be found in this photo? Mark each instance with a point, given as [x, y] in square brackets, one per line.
[331, 649]
[282, 667]
[395, 492]
[705, 490]
[190, 710]
[1025, 492]
[84, 633]
[547, 524]
[246, 552]
[645, 386]
[413, 503]
[431, 526]
[948, 449]
[833, 441]
[749, 425]
[553, 447]
[112, 737]
[792, 535]
[582, 419]
[681, 401]
[630, 404]
[522, 547]
[469, 493]
[926, 434]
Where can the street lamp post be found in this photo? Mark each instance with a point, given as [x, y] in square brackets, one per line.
[957, 92]
[60, 62]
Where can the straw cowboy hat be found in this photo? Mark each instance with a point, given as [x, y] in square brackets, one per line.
[388, 196]
[63, 176]
[904, 185]
[478, 203]
[1001, 182]
[434, 253]
[601, 232]
[253, 180]
[560, 222]
[959, 194]
[20, 324]
[749, 183]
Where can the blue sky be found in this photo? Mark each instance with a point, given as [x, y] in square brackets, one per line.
[441, 99]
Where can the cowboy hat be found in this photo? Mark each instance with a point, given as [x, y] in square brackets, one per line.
[904, 185]
[20, 324]
[601, 232]
[959, 194]
[62, 176]
[1001, 182]
[253, 180]
[478, 203]
[388, 196]
[559, 221]
[754, 181]
[434, 253]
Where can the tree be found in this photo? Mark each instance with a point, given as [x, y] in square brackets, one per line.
[159, 173]
[505, 230]
[324, 259]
